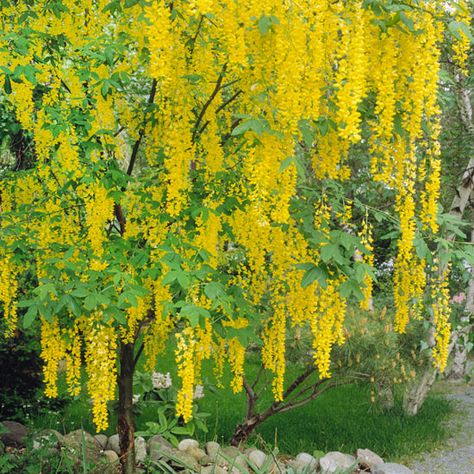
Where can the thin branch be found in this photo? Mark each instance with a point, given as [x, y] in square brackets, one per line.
[138, 354]
[222, 107]
[136, 145]
[208, 102]
[196, 35]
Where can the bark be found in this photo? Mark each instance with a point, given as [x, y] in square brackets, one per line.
[125, 426]
[417, 391]
[298, 394]
[462, 332]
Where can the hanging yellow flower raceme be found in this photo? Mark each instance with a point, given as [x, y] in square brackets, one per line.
[101, 347]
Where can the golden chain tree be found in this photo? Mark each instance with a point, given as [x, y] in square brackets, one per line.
[166, 198]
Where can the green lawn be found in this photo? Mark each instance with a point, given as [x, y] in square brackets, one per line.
[342, 419]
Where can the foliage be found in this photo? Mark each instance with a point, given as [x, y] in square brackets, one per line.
[191, 168]
[159, 404]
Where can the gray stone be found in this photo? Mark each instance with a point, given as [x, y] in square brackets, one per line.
[48, 437]
[113, 444]
[212, 448]
[205, 460]
[140, 449]
[183, 459]
[159, 440]
[307, 461]
[240, 465]
[367, 458]
[391, 468]
[185, 444]
[197, 453]
[78, 441]
[111, 456]
[336, 461]
[101, 440]
[173, 456]
[14, 435]
[257, 458]
[231, 452]
[213, 470]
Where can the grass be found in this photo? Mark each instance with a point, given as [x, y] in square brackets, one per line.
[342, 419]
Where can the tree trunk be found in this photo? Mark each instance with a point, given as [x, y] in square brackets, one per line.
[125, 415]
[243, 431]
[417, 391]
[461, 334]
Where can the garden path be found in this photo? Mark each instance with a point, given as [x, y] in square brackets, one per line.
[457, 456]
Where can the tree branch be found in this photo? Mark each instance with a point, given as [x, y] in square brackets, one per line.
[208, 102]
[136, 145]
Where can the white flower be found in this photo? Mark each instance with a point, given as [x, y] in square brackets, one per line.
[198, 392]
[136, 398]
[161, 380]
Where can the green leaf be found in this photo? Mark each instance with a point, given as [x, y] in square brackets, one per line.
[214, 290]
[266, 22]
[7, 86]
[80, 292]
[286, 163]
[90, 302]
[30, 316]
[331, 252]
[458, 28]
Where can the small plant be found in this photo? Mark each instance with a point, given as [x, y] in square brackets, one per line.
[157, 394]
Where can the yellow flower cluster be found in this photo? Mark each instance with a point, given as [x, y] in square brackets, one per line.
[101, 354]
[367, 240]
[185, 355]
[462, 46]
[441, 313]
[99, 211]
[52, 351]
[327, 327]
[8, 292]
[236, 360]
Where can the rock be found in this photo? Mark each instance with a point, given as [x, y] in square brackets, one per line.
[111, 456]
[48, 437]
[101, 440]
[367, 458]
[158, 451]
[335, 461]
[212, 448]
[15, 436]
[140, 449]
[213, 470]
[78, 441]
[173, 456]
[391, 468]
[159, 440]
[231, 452]
[183, 459]
[205, 460]
[257, 458]
[185, 444]
[305, 462]
[240, 465]
[197, 453]
[113, 444]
